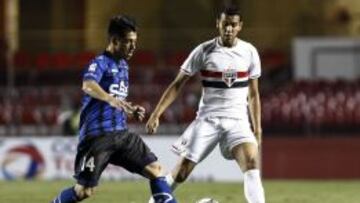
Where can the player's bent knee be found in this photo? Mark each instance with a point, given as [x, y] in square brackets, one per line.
[153, 170]
[251, 163]
[89, 192]
[83, 192]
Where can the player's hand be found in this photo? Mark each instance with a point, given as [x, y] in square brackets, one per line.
[139, 113]
[152, 124]
[120, 104]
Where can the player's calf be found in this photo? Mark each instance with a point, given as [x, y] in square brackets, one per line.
[73, 194]
[161, 192]
[68, 195]
[246, 157]
[180, 174]
[183, 170]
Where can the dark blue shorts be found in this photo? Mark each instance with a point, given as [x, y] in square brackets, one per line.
[119, 148]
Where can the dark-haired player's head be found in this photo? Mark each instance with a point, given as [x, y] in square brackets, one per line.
[229, 24]
[122, 36]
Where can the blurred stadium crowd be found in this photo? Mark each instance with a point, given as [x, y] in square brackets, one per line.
[47, 95]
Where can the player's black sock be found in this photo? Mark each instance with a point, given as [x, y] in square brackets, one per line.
[161, 191]
[68, 195]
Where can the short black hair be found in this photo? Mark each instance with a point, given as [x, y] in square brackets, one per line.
[230, 10]
[120, 25]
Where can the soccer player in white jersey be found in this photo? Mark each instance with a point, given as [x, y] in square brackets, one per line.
[229, 68]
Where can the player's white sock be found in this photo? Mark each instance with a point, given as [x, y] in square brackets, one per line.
[253, 189]
[171, 182]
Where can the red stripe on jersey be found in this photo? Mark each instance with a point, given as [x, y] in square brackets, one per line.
[216, 74]
[242, 74]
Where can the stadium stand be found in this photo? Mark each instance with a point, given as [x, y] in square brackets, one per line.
[304, 106]
[301, 106]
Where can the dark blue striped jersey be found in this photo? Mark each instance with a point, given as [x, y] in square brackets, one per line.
[98, 117]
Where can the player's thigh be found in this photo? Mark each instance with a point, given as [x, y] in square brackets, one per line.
[198, 140]
[237, 132]
[134, 155]
[91, 159]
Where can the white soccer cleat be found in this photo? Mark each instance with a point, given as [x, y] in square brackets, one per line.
[207, 200]
[151, 200]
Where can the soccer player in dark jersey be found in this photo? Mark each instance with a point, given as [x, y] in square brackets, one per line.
[104, 136]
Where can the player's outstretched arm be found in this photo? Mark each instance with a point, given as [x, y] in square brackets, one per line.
[93, 89]
[168, 97]
[255, 108]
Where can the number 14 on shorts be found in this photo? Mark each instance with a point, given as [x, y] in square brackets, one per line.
[89, 163]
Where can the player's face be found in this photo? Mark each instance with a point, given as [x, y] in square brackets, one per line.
[229, 26]
[127, 45]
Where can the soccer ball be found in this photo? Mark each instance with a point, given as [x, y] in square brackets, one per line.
[207, 200]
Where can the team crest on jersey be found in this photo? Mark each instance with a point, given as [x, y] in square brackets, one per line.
[229, 76]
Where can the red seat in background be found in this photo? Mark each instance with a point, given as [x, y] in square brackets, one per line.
[29, 116]
[22, 60]
[43, 61]
[144, 58]
[273, 59]
[2, 115]
[83, 58]
[50, 115]
[63, 61]
[176, 58]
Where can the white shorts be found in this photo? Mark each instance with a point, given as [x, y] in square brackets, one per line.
[203, 134]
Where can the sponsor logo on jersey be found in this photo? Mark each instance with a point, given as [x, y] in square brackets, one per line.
[119, 90]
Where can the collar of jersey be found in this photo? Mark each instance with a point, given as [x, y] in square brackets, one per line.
[219, 43]
[111, 56]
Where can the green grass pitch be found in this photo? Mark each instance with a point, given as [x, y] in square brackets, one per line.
[137, 192]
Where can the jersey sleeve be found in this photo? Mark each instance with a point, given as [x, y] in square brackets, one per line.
[93, 72]
[255, 65]
[194, 62]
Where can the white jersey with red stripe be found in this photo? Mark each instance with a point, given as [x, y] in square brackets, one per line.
[225, 73]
